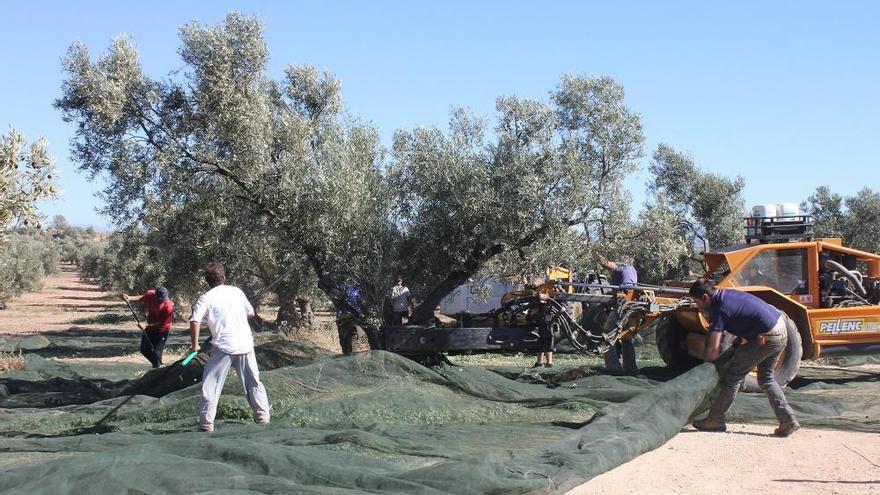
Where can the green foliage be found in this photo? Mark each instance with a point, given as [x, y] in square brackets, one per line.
[711, 207]
[827, 209]
[856, 219]
[73, 242]
[26, 176]
[219, 161]
[546, 168]
[223, 162]
[28, 255]
[660, 247]
[691, 211]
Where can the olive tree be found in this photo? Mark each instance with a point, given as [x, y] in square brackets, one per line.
[26, 177]
[249, 167]
[862, 223]
[283, 161]
[466, 195]
[710, 207]
[856, 218]
[827, 210]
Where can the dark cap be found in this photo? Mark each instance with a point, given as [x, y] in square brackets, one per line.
[161, 294]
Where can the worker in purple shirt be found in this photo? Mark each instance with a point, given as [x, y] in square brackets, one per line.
[764, 329]
[623, 274]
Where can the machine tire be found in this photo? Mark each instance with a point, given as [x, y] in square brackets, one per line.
[789, 362]
[670, 339]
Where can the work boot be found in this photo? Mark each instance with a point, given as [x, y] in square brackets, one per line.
[786, 428]
[709, 424]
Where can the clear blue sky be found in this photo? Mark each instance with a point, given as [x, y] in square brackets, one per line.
[783, 93]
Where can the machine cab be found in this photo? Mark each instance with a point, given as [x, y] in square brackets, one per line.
[780, 253]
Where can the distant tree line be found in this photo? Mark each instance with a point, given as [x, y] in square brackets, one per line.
[30, 253]
[855, 219]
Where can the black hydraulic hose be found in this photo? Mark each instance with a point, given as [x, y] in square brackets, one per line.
[595, 344]
[837, 267]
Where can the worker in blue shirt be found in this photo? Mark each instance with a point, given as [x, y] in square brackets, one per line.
[623, 274]
[350, 317]
[763, 327]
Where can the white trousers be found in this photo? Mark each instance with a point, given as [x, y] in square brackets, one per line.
[214, 376]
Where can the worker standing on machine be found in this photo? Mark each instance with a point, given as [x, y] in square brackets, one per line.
[623, 274]
[765, 329]
[401, 301]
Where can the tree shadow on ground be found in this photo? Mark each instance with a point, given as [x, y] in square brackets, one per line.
[81, 289]
[103, 319]
[79, 308]
[74, 332]
[86, 298]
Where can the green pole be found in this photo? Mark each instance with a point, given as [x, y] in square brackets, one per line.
[189, 357]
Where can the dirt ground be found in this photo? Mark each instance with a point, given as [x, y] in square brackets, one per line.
[63, 300]
[745, 460]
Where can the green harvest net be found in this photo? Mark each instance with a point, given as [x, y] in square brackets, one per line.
[374, 422]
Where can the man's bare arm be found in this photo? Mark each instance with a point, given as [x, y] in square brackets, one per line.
[713, 347]
[607, 264]
[194, 328]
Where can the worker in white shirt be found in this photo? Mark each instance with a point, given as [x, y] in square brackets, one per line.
[401, 301]
[226, 310]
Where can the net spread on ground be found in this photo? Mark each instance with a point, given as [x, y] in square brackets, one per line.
[367, 423]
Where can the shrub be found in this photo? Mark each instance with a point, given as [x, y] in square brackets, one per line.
[27, 256]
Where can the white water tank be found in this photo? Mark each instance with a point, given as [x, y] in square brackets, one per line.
[765, 210]
[788, 210]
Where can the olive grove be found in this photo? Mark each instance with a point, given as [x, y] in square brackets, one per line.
[220, 161]
[227, 163]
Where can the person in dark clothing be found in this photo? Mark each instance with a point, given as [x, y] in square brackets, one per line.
[545, 336]
[351, 316]
[763, 327]
[623, 274]
[346, 317]
[160, 315]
